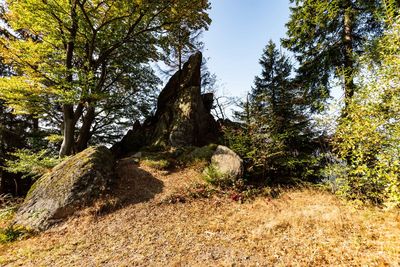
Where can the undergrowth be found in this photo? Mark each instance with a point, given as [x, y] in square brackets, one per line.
[13, 233]
[8, 232]
[8, 207]
[170, 158]
[159, 164]
[239, 191]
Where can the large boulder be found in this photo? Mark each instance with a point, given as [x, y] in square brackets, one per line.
[227, 163]
[183, 115]
[72, 184]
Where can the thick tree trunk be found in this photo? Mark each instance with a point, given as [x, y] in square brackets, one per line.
[68, 131]
[348, 63]
[84, 132]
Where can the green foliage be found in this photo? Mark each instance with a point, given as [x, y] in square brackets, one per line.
[13, 233]
[160, 164]
[213, 176]
[55, 138]
[87, 63]
[196, 156]
[158, 158]
[240, 141]
[31, 164]
[327, 37]
[275, 137]
[368, 138]
[7, 213]
[8, 206]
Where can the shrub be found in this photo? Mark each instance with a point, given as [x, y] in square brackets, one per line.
[213, 176]
[160, 164]
[268, 158]
[31, 164]
[368, 137]
[13, 233]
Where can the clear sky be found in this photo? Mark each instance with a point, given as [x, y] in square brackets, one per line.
[237, 36]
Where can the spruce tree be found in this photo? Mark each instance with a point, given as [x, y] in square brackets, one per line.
[276, 121]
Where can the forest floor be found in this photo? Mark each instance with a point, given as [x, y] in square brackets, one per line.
[154, 224]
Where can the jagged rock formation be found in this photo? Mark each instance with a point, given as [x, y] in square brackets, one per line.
[72, 184]
[183, 115]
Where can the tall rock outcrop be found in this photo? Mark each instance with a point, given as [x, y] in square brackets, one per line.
[183, 115]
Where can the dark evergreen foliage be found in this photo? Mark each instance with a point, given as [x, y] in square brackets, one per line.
[276, 139]
[327, 38]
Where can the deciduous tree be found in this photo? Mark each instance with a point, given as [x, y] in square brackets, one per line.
[368, 138]
[76, 54]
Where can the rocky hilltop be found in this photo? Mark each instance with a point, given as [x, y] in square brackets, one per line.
[182, 120]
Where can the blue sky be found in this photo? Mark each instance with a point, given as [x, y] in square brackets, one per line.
[236, 39]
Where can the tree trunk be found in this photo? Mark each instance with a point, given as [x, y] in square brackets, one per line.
[68, 131]
[35, 125]
[68, 109]
[348, 63]
[84, 132]
[2, 183]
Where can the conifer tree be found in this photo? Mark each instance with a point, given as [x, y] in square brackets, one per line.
[275, 120]
[327, 38]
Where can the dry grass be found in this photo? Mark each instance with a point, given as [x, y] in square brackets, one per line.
[300, 228]
[8, 205]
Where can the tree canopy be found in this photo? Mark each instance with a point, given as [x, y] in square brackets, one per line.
[327, 38]
[77, 57]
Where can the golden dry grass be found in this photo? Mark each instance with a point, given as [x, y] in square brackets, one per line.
[302, 227]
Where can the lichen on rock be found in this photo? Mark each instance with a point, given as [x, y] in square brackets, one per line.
[74, 183]
[182, 118]
[227, 163]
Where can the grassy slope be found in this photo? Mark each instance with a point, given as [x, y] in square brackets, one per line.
[301, 227]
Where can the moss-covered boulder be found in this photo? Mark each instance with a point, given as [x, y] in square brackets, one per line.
[72, 184]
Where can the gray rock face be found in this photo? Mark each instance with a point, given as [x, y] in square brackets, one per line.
[227, 162]
[183, 115]
[72, 184]
[133, 140]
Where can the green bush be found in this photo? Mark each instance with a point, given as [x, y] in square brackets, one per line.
[213, 176]
[269, 158]
[368, 137]
[14, 233]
